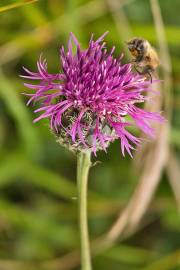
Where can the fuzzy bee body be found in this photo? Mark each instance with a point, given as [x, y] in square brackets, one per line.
[144, 55]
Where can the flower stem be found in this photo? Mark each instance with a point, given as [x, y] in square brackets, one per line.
[83, 165]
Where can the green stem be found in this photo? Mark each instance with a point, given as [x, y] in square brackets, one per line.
[83, 165]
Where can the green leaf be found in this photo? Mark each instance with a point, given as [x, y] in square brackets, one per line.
[38, 225]
[16, 5]
[16, 164]
[50, 181]
[19, 112]
[166, 263]
[128, 254]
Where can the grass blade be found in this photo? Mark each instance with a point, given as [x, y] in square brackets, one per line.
[16, 5]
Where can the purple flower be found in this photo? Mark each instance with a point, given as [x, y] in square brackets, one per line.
[93, 100]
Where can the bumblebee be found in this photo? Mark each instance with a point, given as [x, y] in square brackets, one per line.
[145, 56]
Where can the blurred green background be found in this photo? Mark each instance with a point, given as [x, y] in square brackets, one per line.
[38, 205]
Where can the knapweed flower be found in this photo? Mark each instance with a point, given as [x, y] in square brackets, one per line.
[93, 99]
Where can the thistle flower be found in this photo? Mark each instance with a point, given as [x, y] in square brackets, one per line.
[93, 100]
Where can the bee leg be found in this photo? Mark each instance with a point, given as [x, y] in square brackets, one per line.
[149, 73]
[139, 72]
[144, 72]
[133, 61]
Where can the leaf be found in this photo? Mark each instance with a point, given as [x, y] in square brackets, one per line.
[128, 254]
[50, 181]
[19, 112]
[10, 167]
[168, 262]
[38, 225]
[17, 164]
[16, 5]
[34, 15]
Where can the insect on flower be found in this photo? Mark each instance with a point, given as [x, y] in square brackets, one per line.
[89, 101]
[146, 59]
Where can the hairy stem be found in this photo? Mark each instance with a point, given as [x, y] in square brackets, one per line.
[83, 165]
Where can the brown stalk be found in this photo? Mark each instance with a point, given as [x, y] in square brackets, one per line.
[173, 172]
[172, 162]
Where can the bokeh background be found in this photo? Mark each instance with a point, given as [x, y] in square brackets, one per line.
[38, 196]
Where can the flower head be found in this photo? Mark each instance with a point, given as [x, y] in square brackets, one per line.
[89, 101]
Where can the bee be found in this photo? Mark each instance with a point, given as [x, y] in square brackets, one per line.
[145, 56]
